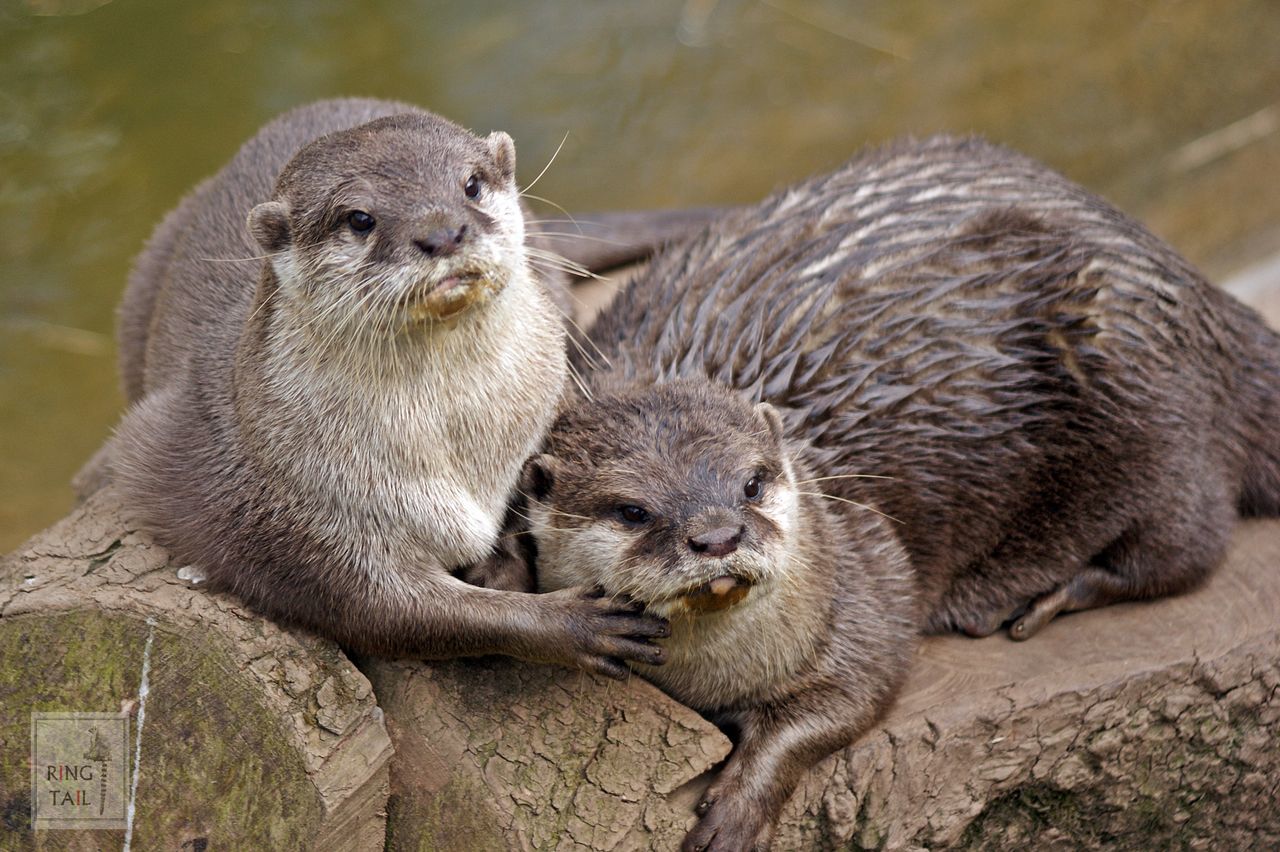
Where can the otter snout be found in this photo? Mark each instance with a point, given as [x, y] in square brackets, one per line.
[720, 541]
[442, 242]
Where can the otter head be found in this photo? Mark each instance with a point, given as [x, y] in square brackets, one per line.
[680, 496]
[405, 221]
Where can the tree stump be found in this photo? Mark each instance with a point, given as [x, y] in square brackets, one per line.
[253, 736]
[1140, 726]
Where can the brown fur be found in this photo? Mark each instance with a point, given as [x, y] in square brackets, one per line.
[1055, 409]
[307, 427]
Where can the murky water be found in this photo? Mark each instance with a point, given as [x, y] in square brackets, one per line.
[111, 109]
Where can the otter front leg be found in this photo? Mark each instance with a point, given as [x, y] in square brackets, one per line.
[436, 616]
[778, 744]
[584, 629]
[576, 627]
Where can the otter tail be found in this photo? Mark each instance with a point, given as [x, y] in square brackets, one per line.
[1260, 435]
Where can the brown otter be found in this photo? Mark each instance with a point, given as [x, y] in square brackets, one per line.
[333, 427]
[1048, 407]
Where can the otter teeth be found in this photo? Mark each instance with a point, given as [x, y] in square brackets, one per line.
[718, 593]
[722, 585]
[452, 281]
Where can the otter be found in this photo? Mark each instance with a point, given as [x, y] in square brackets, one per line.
[942, 388]
[338, 358]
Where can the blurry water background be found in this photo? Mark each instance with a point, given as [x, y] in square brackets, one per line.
[111, 109]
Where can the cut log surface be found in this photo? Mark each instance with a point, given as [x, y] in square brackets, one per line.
[1140, 726]
[253, 737]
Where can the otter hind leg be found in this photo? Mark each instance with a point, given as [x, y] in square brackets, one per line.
[981, 624]
[1166, 555]
[1092, 587]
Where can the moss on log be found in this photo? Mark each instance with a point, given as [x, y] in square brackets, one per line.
[255, 737]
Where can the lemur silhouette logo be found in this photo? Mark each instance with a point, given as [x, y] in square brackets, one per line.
[79, 770]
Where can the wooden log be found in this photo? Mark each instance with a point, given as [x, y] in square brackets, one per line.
[497, 754]
[1140, 726]
[1137, 726]
[253, 736]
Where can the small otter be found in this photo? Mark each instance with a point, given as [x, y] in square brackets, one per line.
[998, 399]
[331, 429]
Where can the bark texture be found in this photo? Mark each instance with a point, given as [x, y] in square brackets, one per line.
[496, 754]
[255, 737]
[1133, 727]
[1140, 726]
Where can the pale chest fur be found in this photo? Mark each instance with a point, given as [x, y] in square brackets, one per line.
[419, 461]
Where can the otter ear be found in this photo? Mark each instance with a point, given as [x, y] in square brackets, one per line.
[269, 225]
[504, 153]
[772, 420]
[539, 476]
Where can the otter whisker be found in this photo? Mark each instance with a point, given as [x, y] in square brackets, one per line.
[343, 301]
[580, 382]
[844, 476]
[583, 334]
[552, 203]
[384, 309]
[550, 511]
[568, 235]
[267, 256]
[580, 349]
[548, 165]
[576, 340]
[850, 502]
[349, 306]
[556, 221]
[562, 263]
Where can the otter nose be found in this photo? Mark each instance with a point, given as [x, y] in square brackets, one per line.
[718, 542]
[442, 241]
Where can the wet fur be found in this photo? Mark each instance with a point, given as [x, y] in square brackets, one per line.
[1046, 399]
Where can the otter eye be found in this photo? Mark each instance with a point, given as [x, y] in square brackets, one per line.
[360, 221]
[472, 187]
[633, 515]
[754, 488]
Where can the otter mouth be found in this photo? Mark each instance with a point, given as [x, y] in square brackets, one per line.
[716, 594]
[450, 296]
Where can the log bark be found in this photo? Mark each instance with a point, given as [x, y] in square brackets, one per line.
[496, 754]
[254, 736]
[1132, 727]
[1141, 726]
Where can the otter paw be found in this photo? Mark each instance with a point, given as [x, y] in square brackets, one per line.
[606, 633]
[504, 571]
[728, 823]
[1040, 612]
[981, 624]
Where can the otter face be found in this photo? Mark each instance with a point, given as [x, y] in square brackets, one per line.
[405, 221]
[679, 496]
